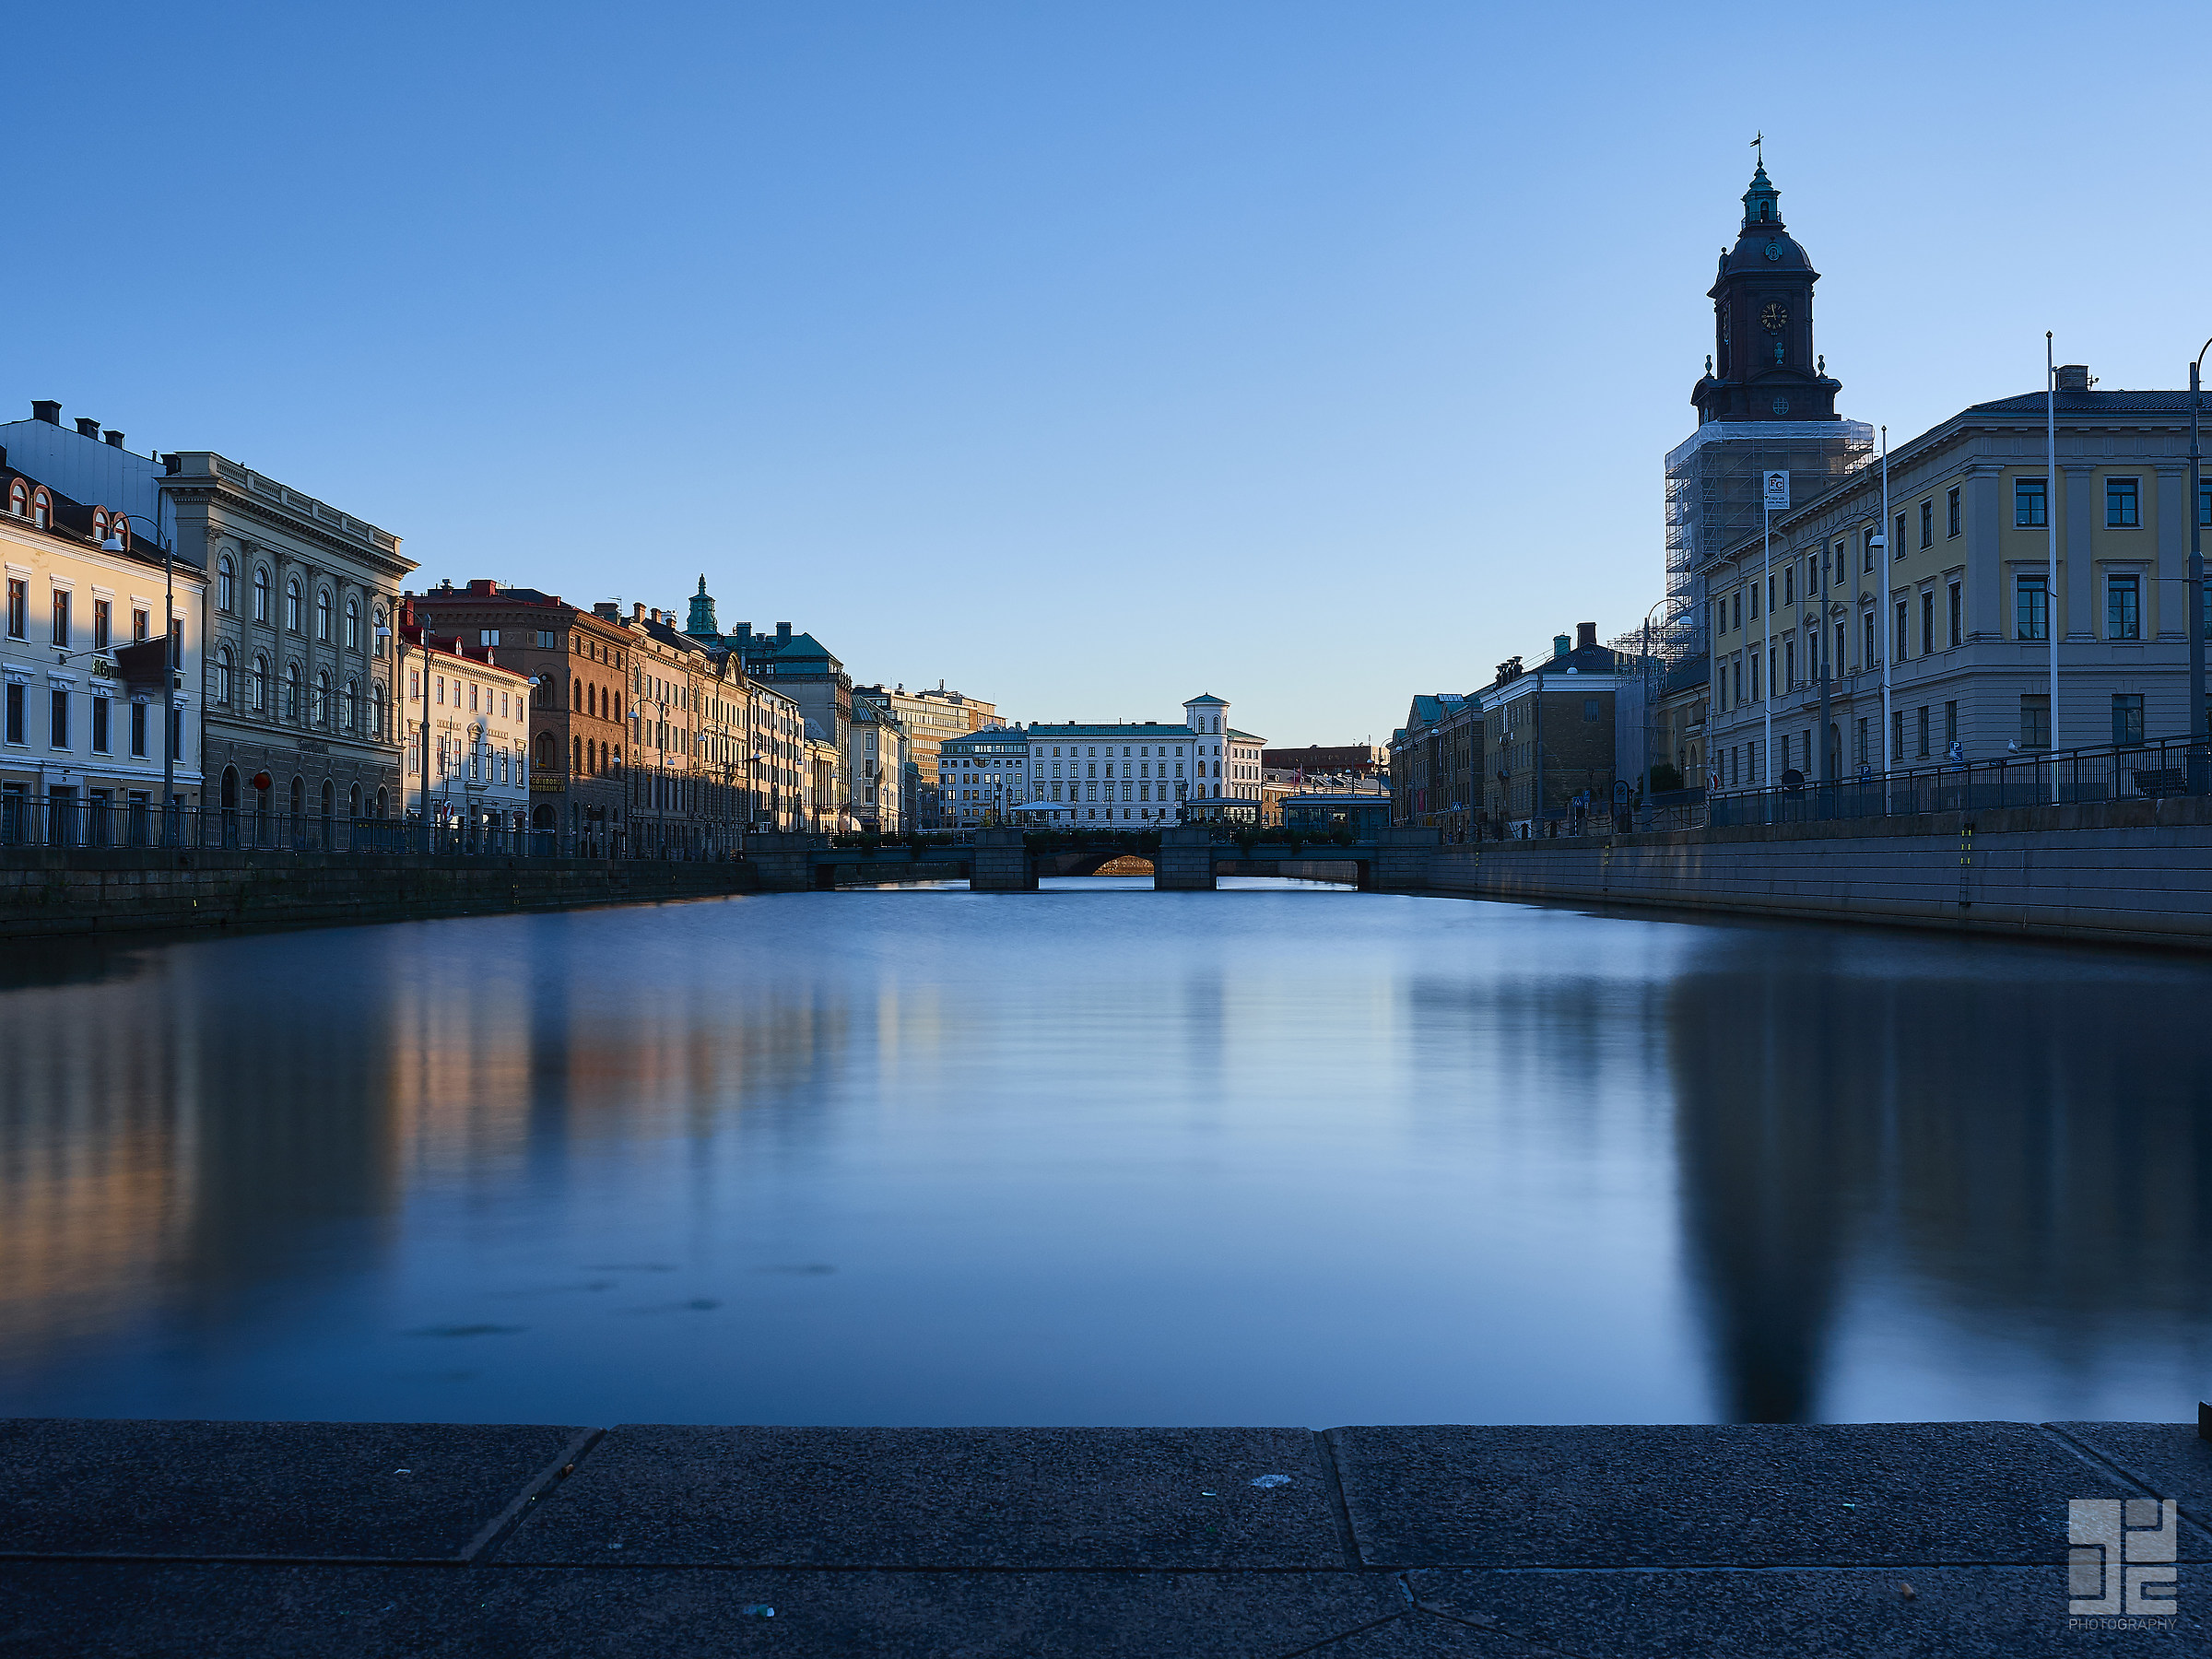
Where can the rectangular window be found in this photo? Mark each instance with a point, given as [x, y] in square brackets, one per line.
[2127, 717]
[2032, 609]
[1789, 584]
[1754, 602]
[1899, 650]
[2204, 503]
[1896, 737]
[1788, 664]
[1589, 708]
[19, 607]
[141, 625]
[1956, 605]
[14, 704]
[1951, 724]
[139, 730]
[2035, 721]
[1897, 545]
[1927, 622]
[61, 720]
[103, 617]
[99, 726]
[1861, 740]
[1866, 552]
[2030, 503]
[2122, 607]
[1953, 511]
[2122, 511]
[61, 616]
[1927, 524]
[1755, 676]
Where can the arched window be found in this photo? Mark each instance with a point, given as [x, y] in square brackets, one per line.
[353, 802]
[577, 701]
[349, 712]
[225, 584]
[323, 615]
[291, 603]
[222, 676]
[299, 797]
[322, 698]
[18, 498]
[100, 524]
[291, 691]
[42, 508]
[376, 712]
[579, 755]
[545, 751]
[257, 693]
[353, 626]
[383, 807]
[261, 593]
[376, 644]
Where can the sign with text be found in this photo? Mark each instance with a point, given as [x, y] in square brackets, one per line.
[1777, 487]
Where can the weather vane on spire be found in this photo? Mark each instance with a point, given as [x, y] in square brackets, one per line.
[1759, 143]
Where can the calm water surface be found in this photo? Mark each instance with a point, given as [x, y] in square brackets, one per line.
[1102, 1154]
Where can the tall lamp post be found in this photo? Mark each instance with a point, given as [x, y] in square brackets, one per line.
[171, 659]
[2198, 782]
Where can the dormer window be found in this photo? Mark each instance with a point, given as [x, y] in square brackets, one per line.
[100, 524]
[18, 498]
[42, 508]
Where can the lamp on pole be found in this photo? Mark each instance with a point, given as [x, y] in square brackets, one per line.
[1643, 674]
[170, 662]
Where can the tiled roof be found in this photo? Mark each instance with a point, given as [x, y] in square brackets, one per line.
[2088, 402]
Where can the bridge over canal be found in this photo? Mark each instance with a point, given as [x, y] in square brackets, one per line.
[1191, 858]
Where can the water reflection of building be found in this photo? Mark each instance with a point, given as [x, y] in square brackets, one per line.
[2022, 1133]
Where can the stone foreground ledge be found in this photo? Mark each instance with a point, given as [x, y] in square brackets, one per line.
[211, 1538]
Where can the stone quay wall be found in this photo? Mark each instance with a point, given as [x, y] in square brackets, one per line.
[2133, 872]
[51, 891]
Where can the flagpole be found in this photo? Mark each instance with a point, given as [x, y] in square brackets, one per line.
[1884, 639]
[2051, 521]
[1766, 642]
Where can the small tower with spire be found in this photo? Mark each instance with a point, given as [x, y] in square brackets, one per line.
[701, 626]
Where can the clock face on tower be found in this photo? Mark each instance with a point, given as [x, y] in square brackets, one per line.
[1775, 317]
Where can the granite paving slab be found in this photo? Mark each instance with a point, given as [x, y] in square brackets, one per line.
[1839, 1494]
[376, 1490]
[1095, 1497]
[1419, 1635]
[1821, 1613]
[2172, 1459]
[148, 1610]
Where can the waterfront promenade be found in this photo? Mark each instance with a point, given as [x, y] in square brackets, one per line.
[1358, 1543]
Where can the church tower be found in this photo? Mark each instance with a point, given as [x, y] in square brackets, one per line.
[1764, 365]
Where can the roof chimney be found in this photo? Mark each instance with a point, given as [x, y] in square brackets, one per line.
[114, 439]
[637, 610]
[2073, 376]
[51, 413]
[1585, 636]
[1558, 646]
[782, 631]
[86, 427]
[482, 585]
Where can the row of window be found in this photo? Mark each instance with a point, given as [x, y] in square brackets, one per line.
[329, 705]
[59, 733]
[2123, 504]
[226, 601]
[64, 621]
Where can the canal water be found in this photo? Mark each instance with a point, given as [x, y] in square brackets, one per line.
[1280, 1154]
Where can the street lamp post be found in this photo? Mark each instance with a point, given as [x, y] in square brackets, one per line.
[170, 661]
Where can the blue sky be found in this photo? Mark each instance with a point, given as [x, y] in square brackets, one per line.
[1084, 356]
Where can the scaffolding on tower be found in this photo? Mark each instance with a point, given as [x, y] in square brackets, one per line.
[1713, 502]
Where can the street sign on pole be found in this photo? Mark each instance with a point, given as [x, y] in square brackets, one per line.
[1777, 488]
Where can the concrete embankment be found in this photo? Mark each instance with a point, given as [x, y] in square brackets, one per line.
[56, 891]
[213, 1539]
[2136, 872]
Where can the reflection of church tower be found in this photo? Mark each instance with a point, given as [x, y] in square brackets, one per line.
[1766, 401]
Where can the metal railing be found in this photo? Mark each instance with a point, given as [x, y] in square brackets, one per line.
[2119, 771]
[28, 821]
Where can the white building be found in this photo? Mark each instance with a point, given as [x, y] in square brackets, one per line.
[1139, 775]
[81, 745]
[464, 727]
[982, 778]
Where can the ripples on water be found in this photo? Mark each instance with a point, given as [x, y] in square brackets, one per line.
[1101, 1155]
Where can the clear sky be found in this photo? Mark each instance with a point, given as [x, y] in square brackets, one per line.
[1085, 356]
